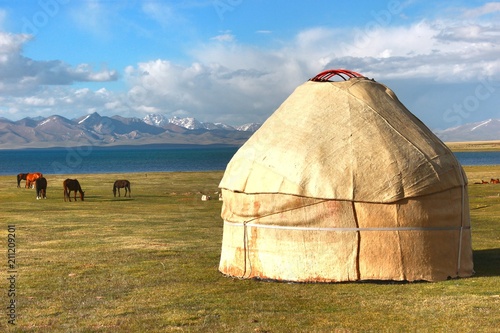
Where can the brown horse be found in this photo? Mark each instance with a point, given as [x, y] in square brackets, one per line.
[72, 185]
[41, 188]
[122, 183]
[31, 177]
[495, 181]
[21, 176]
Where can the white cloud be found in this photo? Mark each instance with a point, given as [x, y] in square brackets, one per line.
[226, 37]
[487, 8]
[12, 43]
[243, 80]
[225, 80]
[205, 90]
[22, 75]
[94, 16]
[160, 12]
[37, 101]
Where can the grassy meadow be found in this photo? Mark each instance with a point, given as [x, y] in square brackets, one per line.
[149, 264]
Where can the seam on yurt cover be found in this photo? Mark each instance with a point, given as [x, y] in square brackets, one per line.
[393, 128]
[321, 199]
[284, 211]
[461, 234]
[401, 253]
[463, 182]
[246, 253]
[351, 153]
[358, 250]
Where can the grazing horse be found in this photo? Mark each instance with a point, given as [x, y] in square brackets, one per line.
[123, 183]
[41, 188]
[31, 177]
[495, 181]
[21, 176]
[72, 185]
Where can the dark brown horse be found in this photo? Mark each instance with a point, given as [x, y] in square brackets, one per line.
[72, 185]
[122, 183]
[21, 176]
[41, 188]
[31, 177]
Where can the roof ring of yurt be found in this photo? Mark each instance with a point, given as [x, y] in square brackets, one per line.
[343, 183]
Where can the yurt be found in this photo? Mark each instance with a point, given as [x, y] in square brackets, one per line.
[343, 183]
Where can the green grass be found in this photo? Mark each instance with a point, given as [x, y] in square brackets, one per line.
[149, 264]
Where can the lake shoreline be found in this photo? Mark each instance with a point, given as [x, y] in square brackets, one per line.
[125, 147]
[456, 146]
[169, 158]
[465, 146]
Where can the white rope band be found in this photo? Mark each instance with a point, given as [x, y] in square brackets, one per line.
[236, 224]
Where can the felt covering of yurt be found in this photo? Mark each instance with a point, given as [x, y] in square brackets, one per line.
[343, 183]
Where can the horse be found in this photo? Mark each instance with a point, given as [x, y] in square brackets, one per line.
[72, 185]
[41, 188]
[495, 181]
[122, 183]
[31, 177]
[21, 176]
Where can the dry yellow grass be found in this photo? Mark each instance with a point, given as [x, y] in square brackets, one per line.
[149, 264]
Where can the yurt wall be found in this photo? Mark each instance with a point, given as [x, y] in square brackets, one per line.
[343, 183]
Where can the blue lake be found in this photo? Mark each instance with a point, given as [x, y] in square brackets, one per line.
[479, 158]
[115, 160]
[164, 158]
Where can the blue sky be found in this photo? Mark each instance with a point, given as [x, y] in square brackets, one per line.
[236, 61]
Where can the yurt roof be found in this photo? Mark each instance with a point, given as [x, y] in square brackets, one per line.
[345, 140]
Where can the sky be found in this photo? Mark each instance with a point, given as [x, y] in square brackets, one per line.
[236, 61]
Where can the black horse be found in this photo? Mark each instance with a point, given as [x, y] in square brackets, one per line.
[122, 183]
[41, 188]
[21, 176]
[72, 185]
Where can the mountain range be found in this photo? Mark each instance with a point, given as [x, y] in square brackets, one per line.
[97, 130]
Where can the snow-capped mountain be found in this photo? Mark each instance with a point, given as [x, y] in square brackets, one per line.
[252, 127]
[217, 126]
[189, 123]
[194, 124]
[156, 120]
[478, 131]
